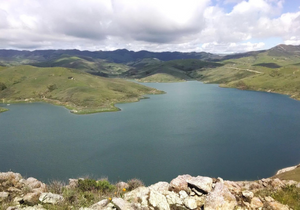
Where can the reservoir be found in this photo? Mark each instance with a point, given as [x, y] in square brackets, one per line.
[195, 129]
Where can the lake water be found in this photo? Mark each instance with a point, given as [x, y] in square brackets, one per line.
[195, 129]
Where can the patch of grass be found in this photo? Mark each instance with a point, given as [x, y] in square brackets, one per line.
[289, 195]
[161, 77]
[3, 109]
[80, 92]
[290, 175]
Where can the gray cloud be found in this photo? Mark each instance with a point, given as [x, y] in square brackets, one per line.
[184, 25]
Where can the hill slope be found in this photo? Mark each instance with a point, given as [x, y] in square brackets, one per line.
[81, 92]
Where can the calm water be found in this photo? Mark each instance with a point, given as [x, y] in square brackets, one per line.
[195, 129]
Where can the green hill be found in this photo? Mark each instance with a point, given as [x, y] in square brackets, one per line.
[90, 65]
[78, 91]
[167, 71]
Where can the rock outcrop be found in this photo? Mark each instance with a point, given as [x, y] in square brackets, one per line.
[182, 193]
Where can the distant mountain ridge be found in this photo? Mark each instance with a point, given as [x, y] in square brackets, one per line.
[117, 56]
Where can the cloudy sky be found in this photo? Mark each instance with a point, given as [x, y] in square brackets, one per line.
[217, 26]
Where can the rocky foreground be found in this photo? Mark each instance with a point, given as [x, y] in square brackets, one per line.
[183, 192]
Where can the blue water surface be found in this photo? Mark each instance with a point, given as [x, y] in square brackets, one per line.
[195, 128]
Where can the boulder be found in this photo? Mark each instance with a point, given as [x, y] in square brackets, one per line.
[100, 205]
[139, 196]
[158, 201]
[160, 186]
[122, 204]
[6, 176]
[31, 199]
[201, 183]
[247, 194]
[173, 198]
[180, 183]
[277, 184]
[256, 203]
[33, 183]
[10, 179]
[220, 198]
[51, 198]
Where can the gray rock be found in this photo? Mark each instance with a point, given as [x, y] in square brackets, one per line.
[121, 204]
[247, 194]
[183, 194]
[190, 203]
[202, 183]
[31, 199]
[139, 195]
[6, 176]
[158, 201]
[160, 186]
[256, 203]
[38, 207]
[51, 198]
[101, 204]
[97, 206]
[269, 199]
[33, 183]
[220, 198]
[3, 196]
[180, 183]
[277, 184]
[173, 198]
[14, 190]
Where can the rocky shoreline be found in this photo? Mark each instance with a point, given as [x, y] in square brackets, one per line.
[183, 192]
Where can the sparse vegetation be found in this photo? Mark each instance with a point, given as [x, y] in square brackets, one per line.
[288, 195]
[134, 183]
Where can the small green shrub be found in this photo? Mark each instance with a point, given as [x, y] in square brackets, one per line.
[2, 86]
[93, 185]
[105, 186]
[87, 185]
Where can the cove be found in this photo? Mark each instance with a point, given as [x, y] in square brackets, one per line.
[197, 129]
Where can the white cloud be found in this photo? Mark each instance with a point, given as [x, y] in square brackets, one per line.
[159, 25]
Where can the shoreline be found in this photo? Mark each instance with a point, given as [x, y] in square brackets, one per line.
[80, 110]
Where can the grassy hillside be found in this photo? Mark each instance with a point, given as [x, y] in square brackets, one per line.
[90, 65]
[80, 92]
[169, 71]
[290, 175]
[275, 70]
